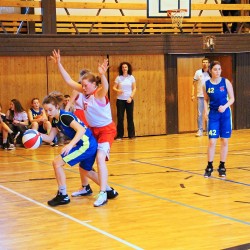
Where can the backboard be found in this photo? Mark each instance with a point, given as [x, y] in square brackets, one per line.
[158, 8]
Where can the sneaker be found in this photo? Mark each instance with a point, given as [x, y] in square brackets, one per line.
[5, 146]
[111, 194]
[85, 191]
[118, 138]
[11, 147]
[199, 133]
[222, 171]
[208, 172]
[54, 144]
[101, 199]
[59, 200]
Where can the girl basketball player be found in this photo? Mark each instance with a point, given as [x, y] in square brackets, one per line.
[38, 118]
[98, 115]
[218, 97]
[81, 149]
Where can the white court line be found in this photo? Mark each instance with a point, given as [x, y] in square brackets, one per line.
[73, 219]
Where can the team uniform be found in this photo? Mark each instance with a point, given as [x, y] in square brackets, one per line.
[84, 152]
[99, 118]
[79, 109]
[219, 124]
[34, 115]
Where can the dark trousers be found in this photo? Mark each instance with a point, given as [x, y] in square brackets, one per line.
[121, 106]
[18, 128]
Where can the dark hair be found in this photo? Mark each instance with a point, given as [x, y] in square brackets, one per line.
[92, 78]
[33, 99]
[55, 98]
[213, 63]
[129, 68]
[17, 106]
[66, 96]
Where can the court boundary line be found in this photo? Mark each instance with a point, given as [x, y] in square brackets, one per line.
[73, 219]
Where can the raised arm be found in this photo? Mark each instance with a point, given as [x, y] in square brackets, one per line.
[102, 69]
[67, 78]
[71, 100]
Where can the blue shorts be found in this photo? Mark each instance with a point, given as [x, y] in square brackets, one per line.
[220, 124]
[83, 153]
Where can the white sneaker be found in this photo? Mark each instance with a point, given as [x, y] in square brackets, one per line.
[83, 192]
[11, 147]
[101, 199]
[199, 133]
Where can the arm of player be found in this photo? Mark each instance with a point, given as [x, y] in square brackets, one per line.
[67, 78]
[71, 100]
[102, 69]
[230, 101]
[50, 137]
[80, 131]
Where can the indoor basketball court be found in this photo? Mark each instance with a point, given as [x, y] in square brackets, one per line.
[164, 201]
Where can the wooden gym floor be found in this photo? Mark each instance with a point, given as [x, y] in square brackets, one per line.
[164, 201]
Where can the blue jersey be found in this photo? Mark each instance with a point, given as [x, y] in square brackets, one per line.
[85, 149]
[35, 113]
[217, 94]
[219, 124]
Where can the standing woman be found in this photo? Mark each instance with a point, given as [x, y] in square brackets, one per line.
[218, 97]
[125, 86]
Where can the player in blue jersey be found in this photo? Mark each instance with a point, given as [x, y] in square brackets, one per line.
[218, 97]
[81, 149]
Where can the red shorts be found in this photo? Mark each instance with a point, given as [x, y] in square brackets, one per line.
[105, 134]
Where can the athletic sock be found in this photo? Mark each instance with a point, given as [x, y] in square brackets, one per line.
[63, 190]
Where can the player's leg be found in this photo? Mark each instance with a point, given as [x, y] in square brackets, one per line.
[223, 157]
[213, 135]
[225, 134]
[61, 198]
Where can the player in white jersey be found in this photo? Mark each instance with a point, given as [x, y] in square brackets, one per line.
[98, 114]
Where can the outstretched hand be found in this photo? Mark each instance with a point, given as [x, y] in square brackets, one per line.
[102, 68]
[56, 56]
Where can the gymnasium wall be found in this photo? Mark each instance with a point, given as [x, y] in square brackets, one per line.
[35, 76]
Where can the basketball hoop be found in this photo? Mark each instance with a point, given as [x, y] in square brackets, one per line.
[177, 17]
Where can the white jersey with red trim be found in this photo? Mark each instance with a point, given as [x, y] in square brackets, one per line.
[97, 114]
[79, 101]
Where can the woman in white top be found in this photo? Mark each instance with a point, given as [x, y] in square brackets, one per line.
[125, 86]
[18, 119]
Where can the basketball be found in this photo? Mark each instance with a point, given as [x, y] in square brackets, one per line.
[32, 139]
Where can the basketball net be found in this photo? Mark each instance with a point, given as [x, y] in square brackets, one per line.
[177, 17]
